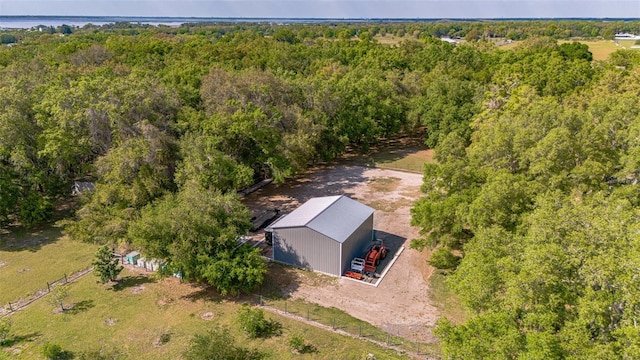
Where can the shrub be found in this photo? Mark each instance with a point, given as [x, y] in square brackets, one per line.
[218, 344]
[443, 259]
[55, 352]
[298, 345]
[7, 39]
[101, 354]
[253, 323]
[34, 209]
[5, 329]
[164, 338]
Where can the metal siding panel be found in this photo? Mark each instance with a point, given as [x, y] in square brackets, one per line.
[306, 248]
[357, 243]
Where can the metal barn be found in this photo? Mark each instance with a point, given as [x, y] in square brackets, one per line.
[324, 234]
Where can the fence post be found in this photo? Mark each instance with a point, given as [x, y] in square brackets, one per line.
[285, 306]
[333, 323]
[48, 287]
[308, 314]
[10, 308]
[65, 278]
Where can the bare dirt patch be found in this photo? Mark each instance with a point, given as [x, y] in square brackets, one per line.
[400, 304]
[379, 184]
[387, 206]
[206, 315]
[137, 289]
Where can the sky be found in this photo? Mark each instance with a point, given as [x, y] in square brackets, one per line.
[329, 8]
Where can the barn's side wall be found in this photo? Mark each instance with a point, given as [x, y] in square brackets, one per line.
[357, 242]
[306, 248]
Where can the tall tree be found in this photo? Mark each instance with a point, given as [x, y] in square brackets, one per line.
[106, 266]
[197, 231]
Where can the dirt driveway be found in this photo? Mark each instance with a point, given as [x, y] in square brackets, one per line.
[400, 304]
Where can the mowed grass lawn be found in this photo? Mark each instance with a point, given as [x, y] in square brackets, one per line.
[133, 318]
[30, 259]
[412, 161]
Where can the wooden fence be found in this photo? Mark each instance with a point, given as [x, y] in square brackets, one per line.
[14, 306]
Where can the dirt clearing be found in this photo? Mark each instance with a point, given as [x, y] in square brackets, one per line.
[400, 304]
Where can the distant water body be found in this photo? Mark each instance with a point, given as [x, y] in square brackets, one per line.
[28, 22]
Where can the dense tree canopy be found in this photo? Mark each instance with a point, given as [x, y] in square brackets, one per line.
[538, 154]
[542, 200]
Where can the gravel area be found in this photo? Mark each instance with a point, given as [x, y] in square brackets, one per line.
[400, 304]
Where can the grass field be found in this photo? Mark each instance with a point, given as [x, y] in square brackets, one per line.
[133, 318]
[413, 162]
[339, 319]
[450, 306]
[390, 39]
[28, 260]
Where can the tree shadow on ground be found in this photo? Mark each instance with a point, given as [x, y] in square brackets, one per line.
[16, 339]
[318, 181]
[386, 150]
[15, 237]
[280, 281]
[79, 307]
[205, 293]
[21, 239]
[132, 281]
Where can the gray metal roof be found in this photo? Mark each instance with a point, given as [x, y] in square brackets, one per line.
[334, 216]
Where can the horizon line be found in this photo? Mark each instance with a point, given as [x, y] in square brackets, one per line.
[315, 18]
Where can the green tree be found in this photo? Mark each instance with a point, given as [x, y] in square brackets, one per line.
[299, 346]
[197, 231]
[5, 329]
[7, 38]
[575, 50]
[106, 265]
[33, 209]
[442, 258]
[285, 35]
[10, 193]
[254, 324]
[487, 336]
[58, 296]
[240, 270]
[203, 163]
[54, 352]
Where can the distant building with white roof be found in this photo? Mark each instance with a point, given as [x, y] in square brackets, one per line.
[626, 36]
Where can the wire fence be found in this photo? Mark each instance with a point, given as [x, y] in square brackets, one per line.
[339, 321]
[14, 306]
